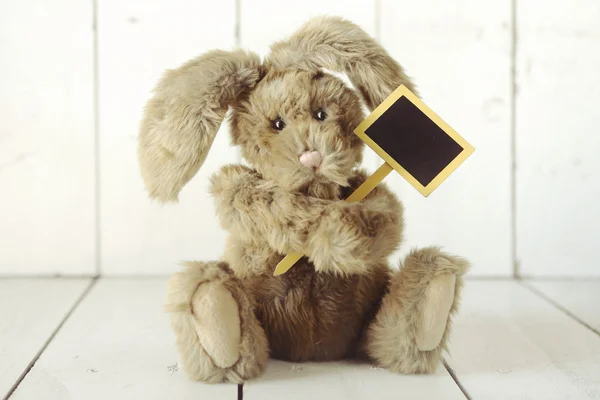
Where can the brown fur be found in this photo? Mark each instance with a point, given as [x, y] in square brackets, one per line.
[340, 300]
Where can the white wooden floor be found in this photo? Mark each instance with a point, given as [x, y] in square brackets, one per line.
[109, 339]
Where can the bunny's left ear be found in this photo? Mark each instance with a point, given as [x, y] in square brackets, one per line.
[340, 45]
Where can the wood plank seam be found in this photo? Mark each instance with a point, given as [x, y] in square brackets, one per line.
[96, 131]
[76, 304]
[513, 138]
[238, 28]
[378, 20]
[558, 306]
[455, 378]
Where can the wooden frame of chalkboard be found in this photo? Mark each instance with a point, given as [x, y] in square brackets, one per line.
[462, 148]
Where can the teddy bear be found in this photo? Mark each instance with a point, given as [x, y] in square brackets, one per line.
[293, 121]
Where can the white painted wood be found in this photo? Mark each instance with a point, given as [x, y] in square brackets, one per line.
[557, 142]
[116, 345]
[46, 138]
[509, 343]
[580, 298]
[262, 23]
[138, 40]
[346, 380]
[458, 53]
[30, 311]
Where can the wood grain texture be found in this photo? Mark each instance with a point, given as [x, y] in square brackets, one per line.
[30, 311]
[507, 342]
[263, 22]
[116, 345]
[557, 116]
[46, 138]
[510, 343]
[347, 381]
[137, 41]
[458, 53]
[579, 298]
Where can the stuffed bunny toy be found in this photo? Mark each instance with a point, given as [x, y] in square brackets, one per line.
[294, 122]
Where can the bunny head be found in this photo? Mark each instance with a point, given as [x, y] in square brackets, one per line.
[293, 122]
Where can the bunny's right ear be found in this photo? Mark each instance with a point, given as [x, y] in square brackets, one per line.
[182, 118]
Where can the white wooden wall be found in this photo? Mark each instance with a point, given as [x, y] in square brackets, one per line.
[72, 201]
[137, 41]
[558, 137]
[47, 153]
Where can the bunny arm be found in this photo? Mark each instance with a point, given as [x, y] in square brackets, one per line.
[256, 209]
[352, 237]
[336, 236]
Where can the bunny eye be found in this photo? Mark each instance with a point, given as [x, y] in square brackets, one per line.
[278, 124]
[320, 115]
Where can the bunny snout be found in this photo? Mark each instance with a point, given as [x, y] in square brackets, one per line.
[311, 159]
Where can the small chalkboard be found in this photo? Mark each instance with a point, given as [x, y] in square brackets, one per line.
[414, 140]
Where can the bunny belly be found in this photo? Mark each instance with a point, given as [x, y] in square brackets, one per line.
[309, 316]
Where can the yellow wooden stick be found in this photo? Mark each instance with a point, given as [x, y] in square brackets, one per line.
[367, 186]
[360, 193]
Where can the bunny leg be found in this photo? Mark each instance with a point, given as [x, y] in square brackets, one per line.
[411, 328]
[218, 336]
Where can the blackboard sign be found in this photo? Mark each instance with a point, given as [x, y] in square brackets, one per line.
[414, 140]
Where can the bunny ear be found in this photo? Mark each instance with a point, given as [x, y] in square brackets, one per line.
[340, 45]
[183, 116]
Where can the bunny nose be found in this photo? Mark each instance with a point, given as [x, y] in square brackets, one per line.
[311, 159]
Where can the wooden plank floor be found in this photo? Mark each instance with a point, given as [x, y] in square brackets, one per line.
[578, 298]
[510, 343]
[527, 340]
[30, 313]
[116, 345]
[344, 380]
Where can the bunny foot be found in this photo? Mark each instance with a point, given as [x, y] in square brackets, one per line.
[218, 336]
[412, 328]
